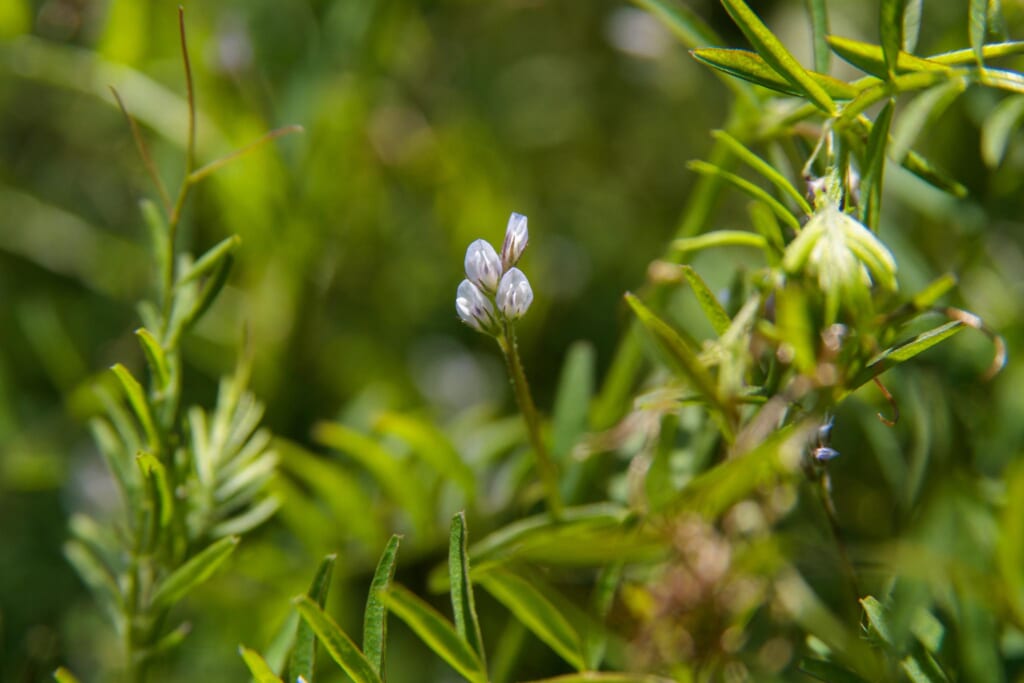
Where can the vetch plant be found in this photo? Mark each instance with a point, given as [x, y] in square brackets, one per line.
[190, 484]
[495, 294]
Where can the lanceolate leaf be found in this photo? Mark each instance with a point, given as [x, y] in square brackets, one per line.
[303, 654]
[375, 616]
[819, 29]
[890, 23]
[155, 357]
[722, 238]
[764, 168]
[211, 259]
[137, 399]
[684, 360]
[750, 189]
[977, 23]
[903, 352]
[463, 604]
[777, 56]
[194, 572]
[871, 59]
[911, 24]
[874, 170]
[753, 68]
[434, 630]
[709, 303]
[539, 615]
[341, 648]
[258, 667]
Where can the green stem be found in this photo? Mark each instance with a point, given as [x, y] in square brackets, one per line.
[545, 464]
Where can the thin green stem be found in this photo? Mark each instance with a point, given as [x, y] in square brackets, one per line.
[545, 464]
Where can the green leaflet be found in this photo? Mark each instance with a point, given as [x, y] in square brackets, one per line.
[194, 572]
[764, 168]
[467, 625]
[303, 653]
[341, 648]
[904, 351]
[155, 358]
[871, 58]
[776, 55]
[258, 667]
[890, 24]
[751, 67]
[210, 260]
[537, 613]
[748, 188]
[709, 303]
[874, 168]
[436, 631]
[137, 399]
[375, 616]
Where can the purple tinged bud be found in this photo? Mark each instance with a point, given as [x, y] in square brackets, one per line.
[514, 294]
[825, 453]
[475, 309]
[517, 236]
[483, 267]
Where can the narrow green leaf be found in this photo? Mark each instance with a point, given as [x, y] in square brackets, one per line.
[925, 170]
[776, 54]
[604, 677]
[62, 675]
[871, 59]
[874, 168]
[467, 625]
[259, 669]
[918, 80]
[919, 115]
[933, 291]
[828, 672]
[966, 56]
[137, 399]
[156, 225]
[341, 648]
[922, 670]
[375, 617]
[751, 67]
[1010, 81]
[709, 303]
[572, 400]
[877, 621]
[194, 572]
[977, 28]
[209, 291]
[998, 127]
[911, 24]
[210, 260]
[764, 168]
[890, 23]
[436, 631]
[303, 651]
[819, 29]
[904, 351]
[685, 361]
[721, 238]
[151, 467]
[431, 444]
[538, 614]
[155, 357]
[94, 572]
[748, 188]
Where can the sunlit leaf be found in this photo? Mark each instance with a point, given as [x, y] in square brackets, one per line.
[194, 572]
[819, 29]
[139, 403]
[751, 67]
[906, 350]
[303, 654]
[258, 667]
[62, 675]
[890, 24]
[874, 169]
[467, 624]
[709, 303]
[375, 616]
[210, 260]
[721, 238]
[341, 648]
[977, 27]
[155, 358]
[871, 59]
[748, 188]
[764, 168]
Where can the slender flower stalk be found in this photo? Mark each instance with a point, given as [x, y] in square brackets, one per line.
[493, 295]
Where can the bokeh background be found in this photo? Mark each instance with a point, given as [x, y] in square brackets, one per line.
[426, 124]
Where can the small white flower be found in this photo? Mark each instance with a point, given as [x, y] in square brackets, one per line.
[483, 267]
[516, 238]
[475, 308]
[514, 294]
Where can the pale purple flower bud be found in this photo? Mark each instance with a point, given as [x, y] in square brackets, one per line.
[514, 294]
[475, 309]
[516, 239]
[483, 267]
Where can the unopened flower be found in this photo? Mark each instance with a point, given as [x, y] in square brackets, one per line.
[475, 308]
[516, 238]
[483, 267]
[514, 294]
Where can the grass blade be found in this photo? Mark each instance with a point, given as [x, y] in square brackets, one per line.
[536, 612]
[764, 168]
[341, 648]
[436, 631]
[776, 55]
[751, 67]
[874, 168]
[303, 654]
[194, 572]
[375, 616]
[748, 188]
[467, 625]
[258, 667]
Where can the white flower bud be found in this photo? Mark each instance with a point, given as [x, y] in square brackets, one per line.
[483, 267]
[514, 294]
[475, 308]
[516, 239]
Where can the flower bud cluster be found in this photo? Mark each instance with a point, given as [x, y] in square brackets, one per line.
[494, 289]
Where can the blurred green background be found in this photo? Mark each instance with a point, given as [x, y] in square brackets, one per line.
[426, 124]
